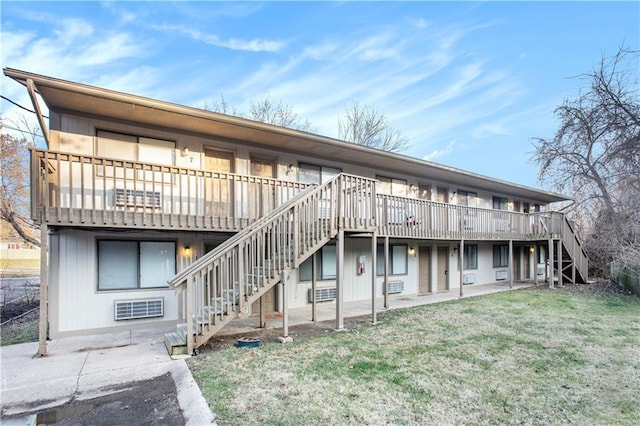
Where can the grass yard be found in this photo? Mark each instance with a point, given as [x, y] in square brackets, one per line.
[533, 356]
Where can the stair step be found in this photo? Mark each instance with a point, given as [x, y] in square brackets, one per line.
[181, 330]
[175, 343]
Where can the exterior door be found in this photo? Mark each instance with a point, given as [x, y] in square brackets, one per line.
[443, 269]
[261, 194]
[218, 191]
[517, 264]
[424, 270]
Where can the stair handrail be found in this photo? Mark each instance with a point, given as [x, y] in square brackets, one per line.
[175, 281]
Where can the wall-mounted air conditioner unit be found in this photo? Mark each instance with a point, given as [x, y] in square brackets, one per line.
[468, 278]
[502, 275]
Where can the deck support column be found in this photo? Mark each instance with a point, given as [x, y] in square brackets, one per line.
[511, 260]
[263, 322]
[374, 268]
[314, 278]
[385, 284]
[44, 289]
[550, 262]
[461, 265]
[536, 257]
[340, 280]
[559, 254]
[285, 309]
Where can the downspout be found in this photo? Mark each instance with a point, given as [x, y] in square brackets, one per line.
[36, 106]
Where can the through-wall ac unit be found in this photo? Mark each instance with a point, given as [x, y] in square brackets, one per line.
[140, 308]
[502, 275]
[394, 287]
[468, 278]
[323, 294]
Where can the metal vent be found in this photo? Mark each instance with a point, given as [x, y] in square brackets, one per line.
[323, 294]
[137, 198]
[468, 278]
[142, 308]
[501, 275]
[395, 287]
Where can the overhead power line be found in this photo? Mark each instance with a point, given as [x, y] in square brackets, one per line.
[20, 106]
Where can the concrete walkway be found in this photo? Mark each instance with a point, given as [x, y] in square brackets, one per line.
[82, 368]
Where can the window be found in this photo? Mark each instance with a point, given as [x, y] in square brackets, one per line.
[310, 173]
[466, 198]
[500, 203]
[397, 260]
[470, 256]
[391, 186]
[500, 255]
[134, 148]
[125, 265]
[325, 265]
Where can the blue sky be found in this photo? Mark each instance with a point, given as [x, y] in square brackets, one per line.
[470, 84]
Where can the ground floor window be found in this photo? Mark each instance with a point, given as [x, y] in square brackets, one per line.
[325, 265]
[397, 260]
[500, 255]
[470, 256]
[125, 265]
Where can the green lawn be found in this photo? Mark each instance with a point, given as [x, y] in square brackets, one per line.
[532, 356]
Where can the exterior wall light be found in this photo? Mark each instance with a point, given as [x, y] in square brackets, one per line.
[412, 251]
[187, 250]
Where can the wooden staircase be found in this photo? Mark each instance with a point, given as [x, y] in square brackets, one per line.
[222, 285]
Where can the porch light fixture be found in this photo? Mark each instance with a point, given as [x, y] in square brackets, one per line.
[412, 251]
[186, 153]
[187, 250]
[532, 249]
[290, 169]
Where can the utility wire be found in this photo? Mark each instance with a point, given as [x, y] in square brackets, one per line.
[19, 106]
[21, 130]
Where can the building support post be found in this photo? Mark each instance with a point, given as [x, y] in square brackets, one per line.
[314, 277]
[536, 257]
[340, 280]
[385, 284]
[511, 260]
[550, 263]
[461, 265]
[374, 268]
[559, 254]
[285, 309]
[263, 321]
[44, 289]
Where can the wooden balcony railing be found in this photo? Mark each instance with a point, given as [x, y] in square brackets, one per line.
[77, 190]
[423, 219]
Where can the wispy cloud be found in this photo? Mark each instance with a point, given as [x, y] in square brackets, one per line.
[255, 45]
[440, 153]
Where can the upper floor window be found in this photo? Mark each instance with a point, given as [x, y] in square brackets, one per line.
[310, 173]
[391, 186]
[134, 148]
[466, 198]
[500, 203]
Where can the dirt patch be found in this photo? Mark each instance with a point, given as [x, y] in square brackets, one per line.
[598, 287]
[297, 332]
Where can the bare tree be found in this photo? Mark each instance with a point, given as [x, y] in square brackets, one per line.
[595, 157]
[14, 182]
[279, 114]
[265, 111]
[366, 125]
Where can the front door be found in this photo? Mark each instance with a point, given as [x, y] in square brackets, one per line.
[443, 269]
[262, 192]
[218, 189]
[424, 270]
